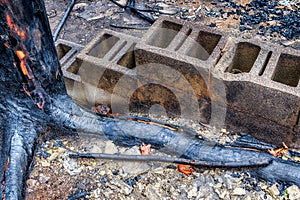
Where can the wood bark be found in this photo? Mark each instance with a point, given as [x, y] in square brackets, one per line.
[33, 97]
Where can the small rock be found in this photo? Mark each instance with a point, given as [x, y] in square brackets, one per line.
[274, 190]
[95, 145]
[108, 193]
[71, 167]
[223, 194]
[110, 148]
[159, 170]
[247, 198]
[134, 168]
[31, 183]
[97, 193]
[152, 193]
[218, 185]
[45, 163]
[140, 186]
[80, 5]
[272, 23]
[124, 188]
[193, 192]
[293, 192]
[239, 191]
[43, 178]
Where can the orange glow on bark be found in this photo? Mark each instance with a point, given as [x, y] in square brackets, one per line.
[20, 35]
[21, 55]
[14, 27]
[6, 45]
[3, 177]
[26, 91]
[41, 105]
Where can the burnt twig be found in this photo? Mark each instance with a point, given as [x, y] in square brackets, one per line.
[199, 163]
[131, 5]
[61, 23]
[128, 27]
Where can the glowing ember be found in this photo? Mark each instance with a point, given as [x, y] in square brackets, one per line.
[14, 27]
[21, 55]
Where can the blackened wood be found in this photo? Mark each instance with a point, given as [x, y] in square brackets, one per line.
[197, 163]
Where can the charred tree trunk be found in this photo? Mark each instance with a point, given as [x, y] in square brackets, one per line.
[33, 97]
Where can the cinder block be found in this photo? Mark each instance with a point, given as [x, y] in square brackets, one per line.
[199, 44]
[101, 65]
[66, 50]
[185, 48]
[262, 82]
[246, 68]
[196, 72]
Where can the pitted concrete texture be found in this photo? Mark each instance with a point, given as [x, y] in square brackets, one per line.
[192, 71]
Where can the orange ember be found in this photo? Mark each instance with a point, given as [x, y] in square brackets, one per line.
[6, 45]
[26, 91]
[41, 105]
[14, 27]
[279, 151]
[21, 55]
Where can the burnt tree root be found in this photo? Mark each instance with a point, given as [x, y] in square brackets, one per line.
[19, 158]
[134, 133]
[130, 133]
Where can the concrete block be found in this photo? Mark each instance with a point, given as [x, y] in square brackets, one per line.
[66, 50]
[192, 71]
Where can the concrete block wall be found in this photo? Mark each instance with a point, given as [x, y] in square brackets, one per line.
[192, 71]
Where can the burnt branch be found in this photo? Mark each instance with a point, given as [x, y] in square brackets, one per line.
[130, 133]
[148, 158]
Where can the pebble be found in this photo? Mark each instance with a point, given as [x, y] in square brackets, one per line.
[71, 166]
[45, 163]
[152, 193]
[123, 187]
[97, 193]
[193, 192]
[239, 191]
[293, 192]
[159, 170]
[134, 168]
[110, 148]
[31, 184]
[274, 190]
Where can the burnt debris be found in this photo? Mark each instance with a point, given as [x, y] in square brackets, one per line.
[270, 16]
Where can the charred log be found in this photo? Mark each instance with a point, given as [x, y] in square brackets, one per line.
[33, 96]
